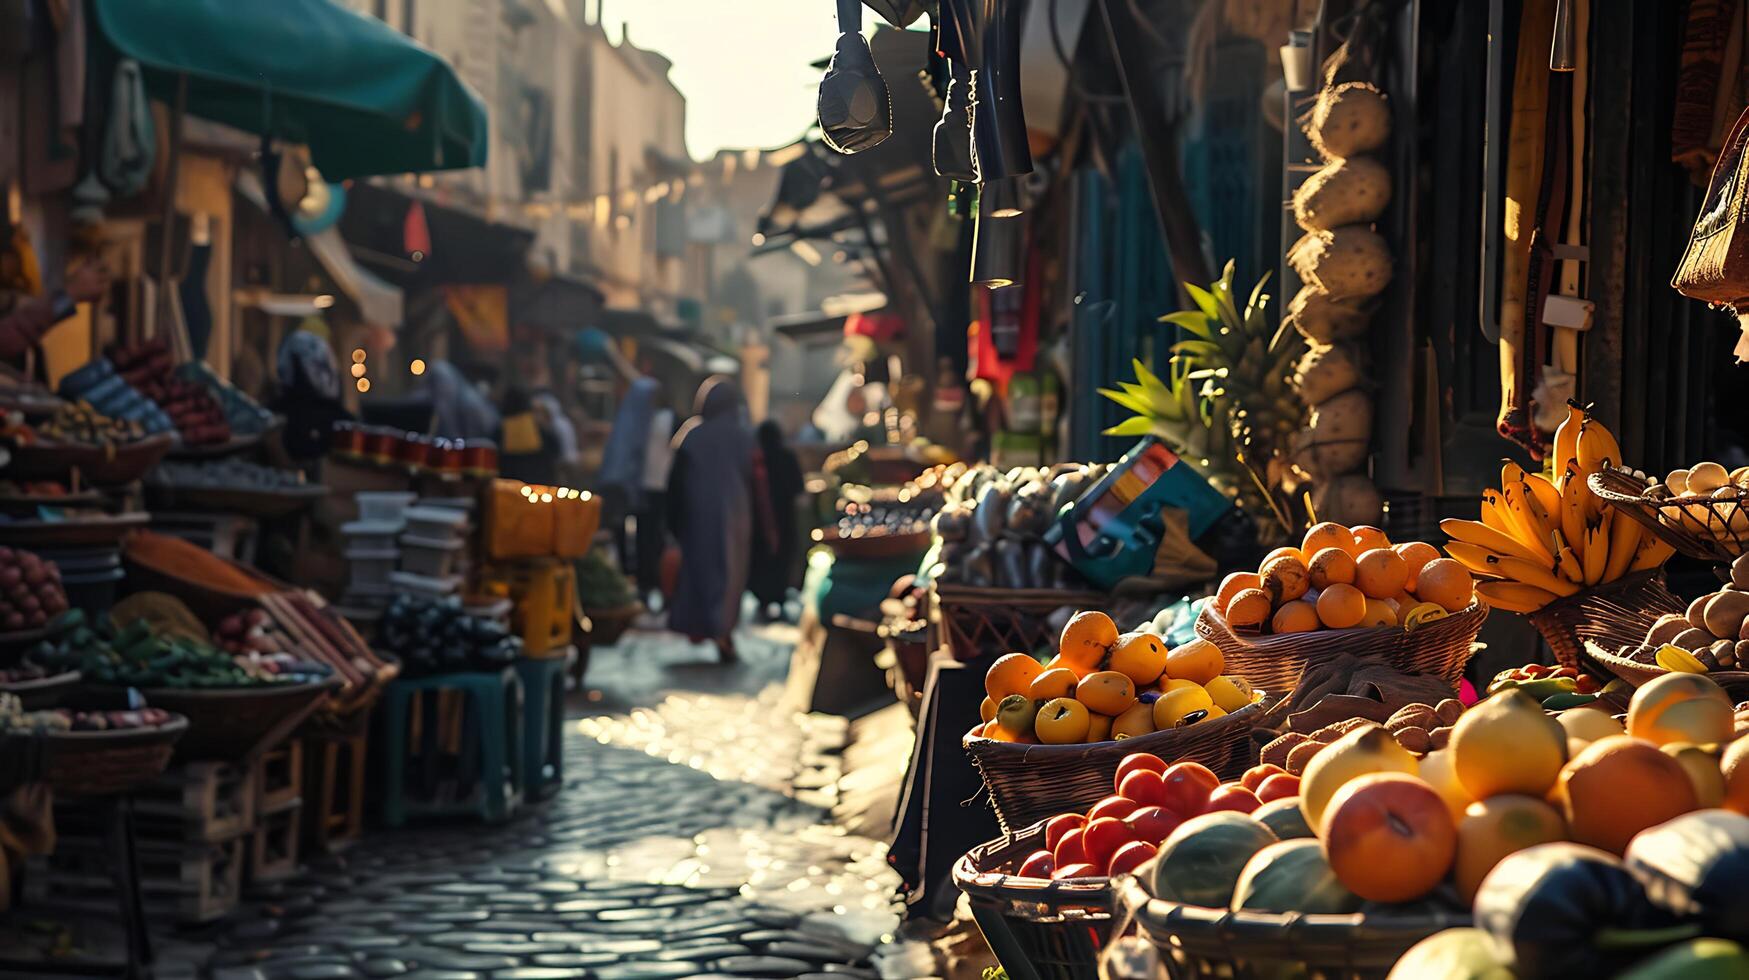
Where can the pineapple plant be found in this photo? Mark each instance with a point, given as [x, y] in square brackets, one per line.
[1226, 405]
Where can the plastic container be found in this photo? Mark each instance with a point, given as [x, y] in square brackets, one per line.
[371, 535]
[428, 556]
[427, 586]
[544, 594]
[517, 524]
[383, 505]
[368, 567]
[436, 523]
[367, 596]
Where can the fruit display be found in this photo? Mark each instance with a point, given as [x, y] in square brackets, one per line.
[436, 637]
[991, 525]
[1102, 686]
[1712, 634]
[13, 718]
[30, 590]
[100, 385]
[138, 656]
[1341, 578]
[1539, 540]
[226, 474]
[244, 415]
[1226, 404]
[197, 415]
[1417, 728]
[80, 422]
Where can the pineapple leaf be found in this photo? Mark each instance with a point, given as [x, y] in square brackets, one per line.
[1133, 426]
[1259, 298]
[1141, 406]
[1205, 301]
[1196, 348]
[1192, 321]
[1147, 378]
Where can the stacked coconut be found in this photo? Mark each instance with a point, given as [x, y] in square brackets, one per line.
[1343, 264]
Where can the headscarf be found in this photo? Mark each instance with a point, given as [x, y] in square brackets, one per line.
[564, 433]
[717, 397]
[306, 366]
[462, 412]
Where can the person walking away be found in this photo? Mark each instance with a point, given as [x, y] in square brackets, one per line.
[527, 451]
[458, 409]
[309, 393]
[711, 513]
[777, 478]
[620, 478]
[652, 512]
[550, 415]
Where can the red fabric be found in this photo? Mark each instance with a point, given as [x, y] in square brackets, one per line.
[415, 234]
[880, 327]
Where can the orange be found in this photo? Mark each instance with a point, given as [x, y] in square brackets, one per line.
[1341, 606]
[1137, 720]
[1298, 616]
[1389, 837]
[1416, 554]
[1055, 682]
[1087, 637]
[1062, 722]
[1331, 566]
[1249, 608]
[1284, 578]
[1367, 537]
[1447, 583]
[1284, 552]
[1380, 612]
[997, 733]
[987, 710]
[1232, 585]
[1099, 727]
[1139, 656]
[1011, 674]
[1619, 786]
[1328, 534]
[1495, 827]
[1198, 662]
[1107, 692]
[1380, 573]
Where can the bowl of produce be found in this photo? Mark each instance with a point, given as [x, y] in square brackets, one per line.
[95, 753]
[35, 685]
[438, 637]
[30, 595]
[213, 587]
[233, 486]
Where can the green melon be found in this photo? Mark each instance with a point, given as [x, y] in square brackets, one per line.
[1697, 959]
[1292, 876]
[1283, 818]
[1200, 862]
[1454, 954]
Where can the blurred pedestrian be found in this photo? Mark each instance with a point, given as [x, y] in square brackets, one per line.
[528, 451]
[652, 509]
[710, 511]
[309, 392]
[777, 481]
[459, 410]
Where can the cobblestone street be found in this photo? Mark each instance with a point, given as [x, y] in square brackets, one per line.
[692, 837]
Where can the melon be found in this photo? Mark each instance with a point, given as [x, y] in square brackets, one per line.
[1345, 192]
[1200, 863]
[1350, 499]
[1292, 876]
[1284, 819]
[1349, 261]
[1325, 319]
[1325, 371]
[1453, 954]
[1347, 119]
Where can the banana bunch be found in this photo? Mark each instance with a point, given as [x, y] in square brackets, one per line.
[1539, 539]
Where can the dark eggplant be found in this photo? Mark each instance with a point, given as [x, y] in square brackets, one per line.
[991, 515]
[1696, 865]
[1039, 559]
[1567, 910]
[1010, 564]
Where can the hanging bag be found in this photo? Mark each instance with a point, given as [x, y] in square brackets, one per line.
[856, 111]
[1715, 266]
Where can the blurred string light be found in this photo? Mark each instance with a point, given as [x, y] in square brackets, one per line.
[358, 370]
[358, 355]
[363, 385]
[417, 367]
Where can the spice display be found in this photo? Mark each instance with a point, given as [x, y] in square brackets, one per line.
[197, 415]
[191, 563]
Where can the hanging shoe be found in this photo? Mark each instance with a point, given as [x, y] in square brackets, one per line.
[999, 126]
[856, 111]
[952, 146]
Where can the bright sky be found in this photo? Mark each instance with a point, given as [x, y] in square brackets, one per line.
[742, 64]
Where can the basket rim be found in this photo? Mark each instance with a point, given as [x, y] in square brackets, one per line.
[1609, 659]
[62, 679]
[1649, 512]
[1476, 609]
[1253, 925]
[1257, 707]
[1001, 885]
[167, 732]
[231, 693]
[970, 594]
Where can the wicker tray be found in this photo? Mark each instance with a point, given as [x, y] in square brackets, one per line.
[104, 763]
[1613, 614]
[102, 465]
[236, 724]
[1029, 783]
[1274, 663]
[44, 692]
[1735, 682]
[1039, 930]
[976, 621]
[1205, 942]
[1699, 526]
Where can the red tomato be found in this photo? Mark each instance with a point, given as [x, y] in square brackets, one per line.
[1255, 775]
[1279, 787]
[1232, 797]
[1144, 786]
[1102, 838]
[1188, 785]
[1082, 870]
[1153, 823]
[1061, 824]
[1038, 864]
[1130, 857]
[1068, 850]
[1112, 806]
[1137, 761]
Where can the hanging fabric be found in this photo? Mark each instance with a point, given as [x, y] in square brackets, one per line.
[130, 140]
[855, 108]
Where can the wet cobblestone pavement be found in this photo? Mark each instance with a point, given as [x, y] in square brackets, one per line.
[692, 837]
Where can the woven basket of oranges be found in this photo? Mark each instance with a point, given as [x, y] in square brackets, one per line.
[1345, 590]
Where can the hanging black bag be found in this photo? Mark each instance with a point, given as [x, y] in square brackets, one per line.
[856, 112]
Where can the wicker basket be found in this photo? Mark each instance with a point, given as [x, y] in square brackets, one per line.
[1206, 942]
[234, 724]
[1039, 930]
[1275, 663]
[977, 621]
[1612, 614]
[1735, 682]
[1698, 525]
[105, 763]
[1028, 783]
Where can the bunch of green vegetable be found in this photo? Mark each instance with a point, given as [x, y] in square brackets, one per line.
[600, 585]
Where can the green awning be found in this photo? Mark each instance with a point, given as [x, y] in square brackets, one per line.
[365, 98]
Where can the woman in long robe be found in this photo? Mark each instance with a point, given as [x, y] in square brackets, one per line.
[710, 511]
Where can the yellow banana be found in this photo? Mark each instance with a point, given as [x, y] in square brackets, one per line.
[1624, 540]
[1567, 563]
[1596, 447]
[1514, 596]
[1543, 525]
[1510, 473]
[1544, 492]
[1596, 551]
[1494, 512]
[1525, 528]
[1481, 535]
[1677, 660]
[1652, 553]
[1531, 573]
[1567, 442]
[1473, 557]
[1572, 510]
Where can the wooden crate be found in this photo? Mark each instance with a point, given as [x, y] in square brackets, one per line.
[210, 801]
[194, 881]
[334, 783]
[279, 777]
[274, 844]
